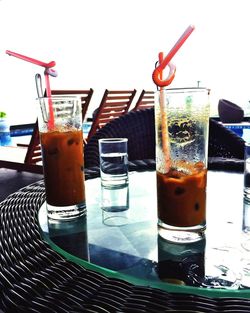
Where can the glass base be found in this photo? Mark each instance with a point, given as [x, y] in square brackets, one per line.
[181, 235]
[65, 213]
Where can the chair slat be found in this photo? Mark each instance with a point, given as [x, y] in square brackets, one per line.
[115, 92]
[108, 119]
[114, 109]
[115, 98]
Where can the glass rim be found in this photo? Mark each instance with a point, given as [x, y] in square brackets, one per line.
[60, 97]
[112, 140]
[185, 89]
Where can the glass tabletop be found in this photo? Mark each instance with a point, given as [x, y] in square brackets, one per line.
[219, 265]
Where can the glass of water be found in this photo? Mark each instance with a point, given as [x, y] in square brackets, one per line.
[113, 162]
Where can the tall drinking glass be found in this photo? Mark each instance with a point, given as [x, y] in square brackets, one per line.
[181, 121]
[62, 156]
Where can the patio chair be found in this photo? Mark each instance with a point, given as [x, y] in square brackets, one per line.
[114, 103]
[145, 100]
[226, 148]
[225, 151]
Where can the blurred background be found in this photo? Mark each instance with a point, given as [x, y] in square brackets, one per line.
[114, 44]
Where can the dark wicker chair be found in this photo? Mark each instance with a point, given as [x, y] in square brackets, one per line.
[230, 112]
[137, 126]
[226, 149]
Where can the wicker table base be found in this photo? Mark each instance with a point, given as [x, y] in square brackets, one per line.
[34, 278]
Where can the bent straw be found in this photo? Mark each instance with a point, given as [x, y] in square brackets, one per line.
[157, 74]
[48, 71]
[158, 80]
[31, 60]
[51, 72]
[177, 46]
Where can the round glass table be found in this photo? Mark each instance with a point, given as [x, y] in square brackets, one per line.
[219, 265]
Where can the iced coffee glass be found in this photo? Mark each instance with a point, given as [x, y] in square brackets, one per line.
[181, 121]
[61, 140]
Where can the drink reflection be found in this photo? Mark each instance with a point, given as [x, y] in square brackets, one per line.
[182, 264]
[71, 236]
[115, 205]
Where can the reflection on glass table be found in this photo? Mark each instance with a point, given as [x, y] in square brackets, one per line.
[218, 265]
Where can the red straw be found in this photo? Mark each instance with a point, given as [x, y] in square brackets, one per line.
[157, 74]
[47, 66]
[161, 56]
[25, 58]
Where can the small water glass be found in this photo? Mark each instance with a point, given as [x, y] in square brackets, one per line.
[113, 162]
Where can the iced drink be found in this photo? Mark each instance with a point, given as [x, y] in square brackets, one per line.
[62, 155]
[182, 119]
[63, 167]
[182, 195]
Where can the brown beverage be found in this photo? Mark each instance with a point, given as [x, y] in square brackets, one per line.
[182, 195]
[63, 167]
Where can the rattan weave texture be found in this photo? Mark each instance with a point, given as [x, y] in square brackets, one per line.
[34, 278]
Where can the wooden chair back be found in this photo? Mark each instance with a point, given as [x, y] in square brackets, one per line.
[114, 103]
[145, 100]
[34, 154]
